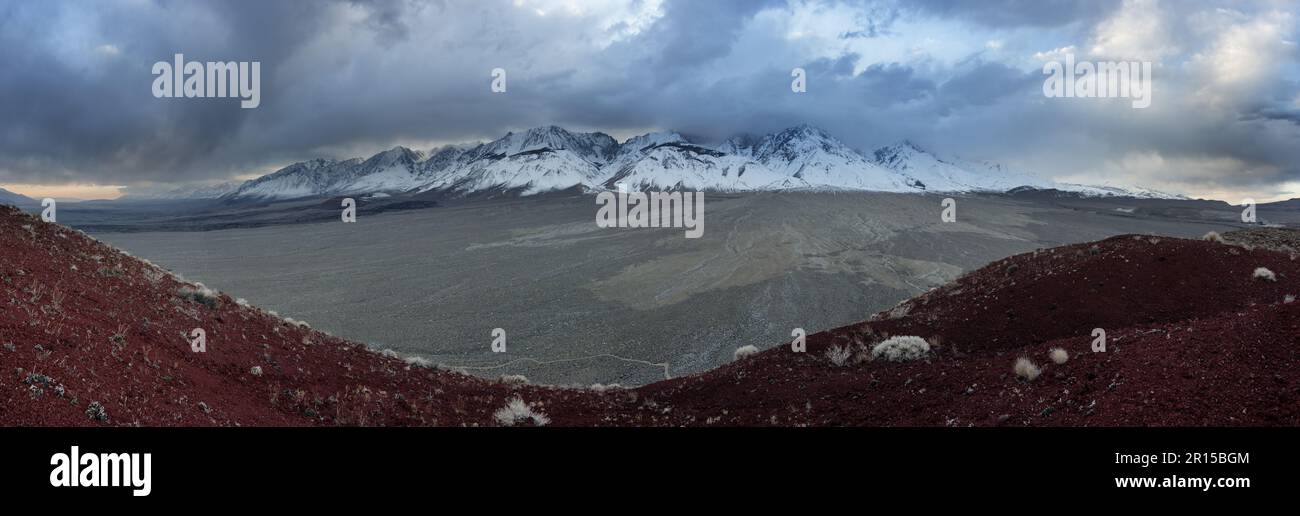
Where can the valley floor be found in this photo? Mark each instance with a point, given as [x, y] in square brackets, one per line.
[583, 305]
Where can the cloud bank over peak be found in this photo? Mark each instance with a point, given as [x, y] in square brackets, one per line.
[343, 78]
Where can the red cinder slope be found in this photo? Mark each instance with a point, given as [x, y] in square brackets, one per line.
[1114, 283]
[82, 323]
[1193, 339]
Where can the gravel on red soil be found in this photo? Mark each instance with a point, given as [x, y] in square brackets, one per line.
[1193, 338]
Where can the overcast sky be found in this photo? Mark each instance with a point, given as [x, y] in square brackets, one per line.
[348, 78]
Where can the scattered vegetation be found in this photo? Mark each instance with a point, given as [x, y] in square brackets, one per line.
[744, 352]
[154, 275]
[515, 379]
[1059, 356]
[1213, 236]
[97, 412]
[901, 348]
[516, 413]
[1264, 274]
[199, 294]
[1026, 369]
[36, 379]
[119, 337]
[839, 355]
[415, 361]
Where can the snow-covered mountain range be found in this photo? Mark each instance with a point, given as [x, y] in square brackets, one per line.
[551, 158]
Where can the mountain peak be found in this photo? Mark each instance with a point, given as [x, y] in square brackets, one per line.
[903, 154]
[307, 166]
[802, 139]
[910, 144]
[593, 147]
[807, 131]
[397, 151]
[637, 143]
[396, 155]
[904, 145]
[548, 129]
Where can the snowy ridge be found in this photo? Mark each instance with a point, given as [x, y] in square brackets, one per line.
[528, 172]
[930, 172]
[685, 166]
[1115, 191]
[550, 158]
[303, 179]
[809, 155]
[595, 148]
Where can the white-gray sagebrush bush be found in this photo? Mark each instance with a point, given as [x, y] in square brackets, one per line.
[839, 355]
[744, 352]
[154, 275]
[901, 348]
[1213, 236]
[415, 361]
[199, 293]
[1059, 356]
[1026, 369]
[1263, 274]
[517, 412]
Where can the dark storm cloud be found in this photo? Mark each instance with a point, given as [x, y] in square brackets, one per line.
[387, 18]
[77, 98]
[985, 83]
[1272, 113]
[345, 77]
[1017, 13]
[696, 32]
[883, 85]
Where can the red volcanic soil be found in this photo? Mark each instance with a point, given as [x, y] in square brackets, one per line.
[1192, 339]
[83, 323]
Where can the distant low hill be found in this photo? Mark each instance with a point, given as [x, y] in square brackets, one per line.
[7, 197]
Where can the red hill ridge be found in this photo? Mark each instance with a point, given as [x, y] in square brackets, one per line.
[1195, 336]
